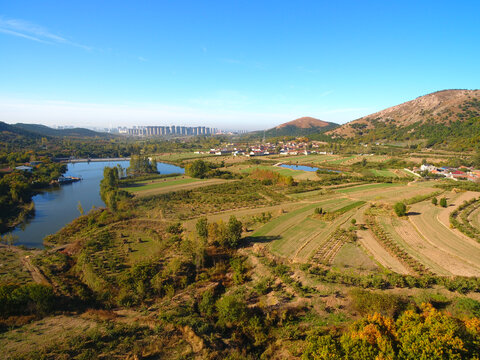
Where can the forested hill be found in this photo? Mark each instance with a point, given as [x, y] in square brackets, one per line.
[11, 133]
[448, 118]
[48, 131]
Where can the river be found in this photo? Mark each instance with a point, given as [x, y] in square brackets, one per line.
[56, 207]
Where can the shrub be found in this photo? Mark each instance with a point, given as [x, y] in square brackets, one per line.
[175, 228]
[400, 209]
[368, 302]
[26, 299]
[232, 310]
[443, 202]
[197, 169]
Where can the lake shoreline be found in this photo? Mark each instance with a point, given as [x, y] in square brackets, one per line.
[57, 206]
[74, 161]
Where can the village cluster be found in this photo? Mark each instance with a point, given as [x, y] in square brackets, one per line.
[460, 173]
[263, 149]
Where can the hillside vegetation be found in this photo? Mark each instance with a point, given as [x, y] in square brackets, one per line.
[448, 118]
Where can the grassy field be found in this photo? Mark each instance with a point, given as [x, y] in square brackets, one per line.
[177, 157]
[153, 187]
[342, 160]
[11, 268]
[383, 173]
[155, 184]
[362, 188]
[307, 159]
[277, 169]
[297, 234]
[352, 256]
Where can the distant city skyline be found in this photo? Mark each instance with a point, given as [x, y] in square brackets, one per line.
[223, 64]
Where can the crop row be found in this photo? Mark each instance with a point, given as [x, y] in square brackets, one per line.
[462, 213]
[395, 250]
[326, 253]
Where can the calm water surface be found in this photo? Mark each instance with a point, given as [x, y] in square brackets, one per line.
[57, 207]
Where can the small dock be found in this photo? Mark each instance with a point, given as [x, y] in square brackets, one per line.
[62, 180]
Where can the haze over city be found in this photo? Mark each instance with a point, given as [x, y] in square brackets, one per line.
[227, 64]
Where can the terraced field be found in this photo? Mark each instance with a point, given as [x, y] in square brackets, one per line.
[368, 241]
[449, 248]
[160, 186]
[298, 235]
[363, 188]
[277, 169]
[383, 173]
[474, 218]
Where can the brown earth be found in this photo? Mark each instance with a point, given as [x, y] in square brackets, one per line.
[304, 123]
[431, 222]
[439, 261]
[372, 246]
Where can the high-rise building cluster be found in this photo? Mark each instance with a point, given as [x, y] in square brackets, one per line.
[167, 130]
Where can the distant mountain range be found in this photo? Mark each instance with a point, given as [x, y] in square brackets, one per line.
[441, 116]
[32, 131]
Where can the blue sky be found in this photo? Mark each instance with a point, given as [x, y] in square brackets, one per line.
[228, 64]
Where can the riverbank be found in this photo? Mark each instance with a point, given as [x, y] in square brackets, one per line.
[23, 213]
[74, 161]
[58, 206]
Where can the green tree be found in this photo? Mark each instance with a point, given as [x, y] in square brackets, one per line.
[202, 228]
[400, 209]
[289, 181]
[140, 165]
[434, 201]
[80, 208]
[197, 169]
[207, 304]
[232, 310]
[9, 239]
[443, 202]
[431, 335]
[233, 233]
[175, 228]
[109, 182]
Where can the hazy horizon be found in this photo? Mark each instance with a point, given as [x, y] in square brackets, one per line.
[227, 65]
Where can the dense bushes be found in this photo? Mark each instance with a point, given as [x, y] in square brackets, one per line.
[429, 334]
[33, 299]
[141, 165]
[271, 177]
[388, 280]
[109, 191]
[368, 302]
[464, 211]
[400, 209]
[227, 235]
[197, 169]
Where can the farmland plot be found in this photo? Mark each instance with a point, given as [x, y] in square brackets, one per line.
[367, 240]
[474, 218]
[298, 234]
[432, 224]
[439, 261]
